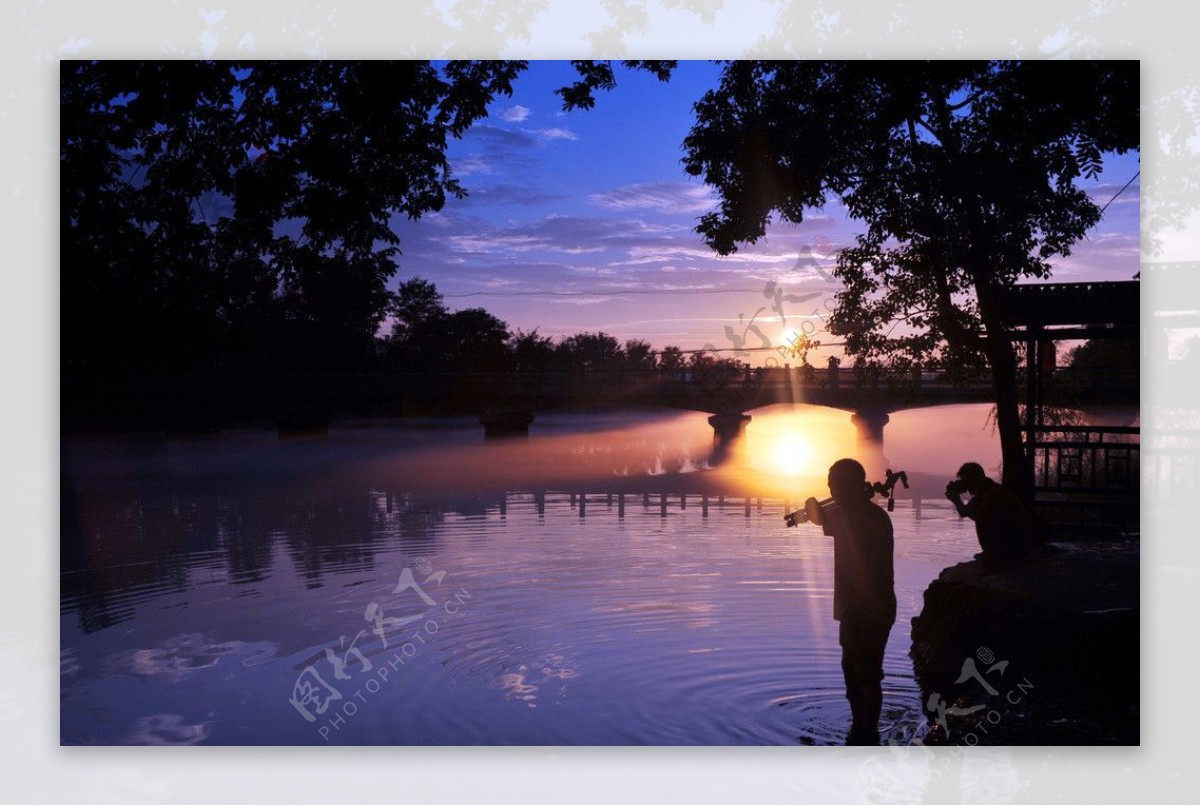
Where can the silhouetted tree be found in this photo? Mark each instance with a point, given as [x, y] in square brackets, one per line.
[531, 352]
[639, 355]
[428, 337]
[210, 208]
[414, 305]
[1102, 362]
[1106, 353]
[670, 359]
[472, 339]
[591, 352]
[963, 173]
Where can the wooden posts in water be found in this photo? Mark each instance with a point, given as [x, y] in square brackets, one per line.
[578, 501]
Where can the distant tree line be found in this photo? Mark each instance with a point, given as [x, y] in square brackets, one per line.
[236, 217]
[426, 336]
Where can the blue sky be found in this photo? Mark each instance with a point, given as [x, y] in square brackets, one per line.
[583, 221]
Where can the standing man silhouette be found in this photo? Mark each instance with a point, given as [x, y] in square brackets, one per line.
[864, 598]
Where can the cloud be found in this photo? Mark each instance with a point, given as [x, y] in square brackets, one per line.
[473, 165]
[667, 253]
[663, 197]
[504, 193]
[515, 113]
[556, 134]
[495, 150]
[1101, 256]
[559, 234]
[496, 137]
[1114, 194]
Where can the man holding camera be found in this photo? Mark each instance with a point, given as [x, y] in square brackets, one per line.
[864, 599]
[1002, 523]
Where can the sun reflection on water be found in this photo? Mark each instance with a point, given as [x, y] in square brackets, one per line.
[793, 454]
[787, 449]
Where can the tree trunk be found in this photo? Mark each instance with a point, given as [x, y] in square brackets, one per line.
[1008, 418]
[999, 349]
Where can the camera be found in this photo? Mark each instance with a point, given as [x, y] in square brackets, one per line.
[818, 511]
[956, 487]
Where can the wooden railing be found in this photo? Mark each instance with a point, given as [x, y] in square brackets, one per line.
[1087, 476]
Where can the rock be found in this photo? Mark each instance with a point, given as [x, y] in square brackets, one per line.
[1043, 652]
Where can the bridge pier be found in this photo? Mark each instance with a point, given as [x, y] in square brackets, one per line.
[506, 422]
[870, 423]
[727, 428]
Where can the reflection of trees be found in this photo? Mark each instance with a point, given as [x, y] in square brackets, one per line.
[113, 546]
[117, 545]
[326, 528]
[83, 578]
[396, 513]
[130, 539]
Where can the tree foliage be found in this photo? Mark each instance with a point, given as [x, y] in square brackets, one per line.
[221, 212]
[1115, 354]
[963, 175]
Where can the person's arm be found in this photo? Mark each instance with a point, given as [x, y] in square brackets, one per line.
[959, 506]
[834, 522]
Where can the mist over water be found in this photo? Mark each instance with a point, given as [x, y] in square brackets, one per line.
[596, 583]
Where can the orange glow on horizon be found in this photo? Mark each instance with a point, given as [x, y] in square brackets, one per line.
[787, 449]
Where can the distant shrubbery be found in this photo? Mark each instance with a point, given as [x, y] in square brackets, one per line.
[426, 336]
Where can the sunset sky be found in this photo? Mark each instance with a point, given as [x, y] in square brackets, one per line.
[583, 221]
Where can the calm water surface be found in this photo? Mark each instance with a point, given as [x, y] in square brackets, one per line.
[417, 586]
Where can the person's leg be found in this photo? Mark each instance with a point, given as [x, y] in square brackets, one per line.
[872, 675]
[862, 669]
[851, 675]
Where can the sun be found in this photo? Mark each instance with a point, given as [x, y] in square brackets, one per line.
[793, 454]
[790, 339]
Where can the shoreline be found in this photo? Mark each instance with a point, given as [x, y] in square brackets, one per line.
[1046, 652]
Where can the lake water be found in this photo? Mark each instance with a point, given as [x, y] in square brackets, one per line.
[595, 583]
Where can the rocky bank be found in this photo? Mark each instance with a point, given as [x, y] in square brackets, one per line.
[1045, 652]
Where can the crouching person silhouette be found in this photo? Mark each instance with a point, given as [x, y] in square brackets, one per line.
[864, 599]
[1002, 523]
